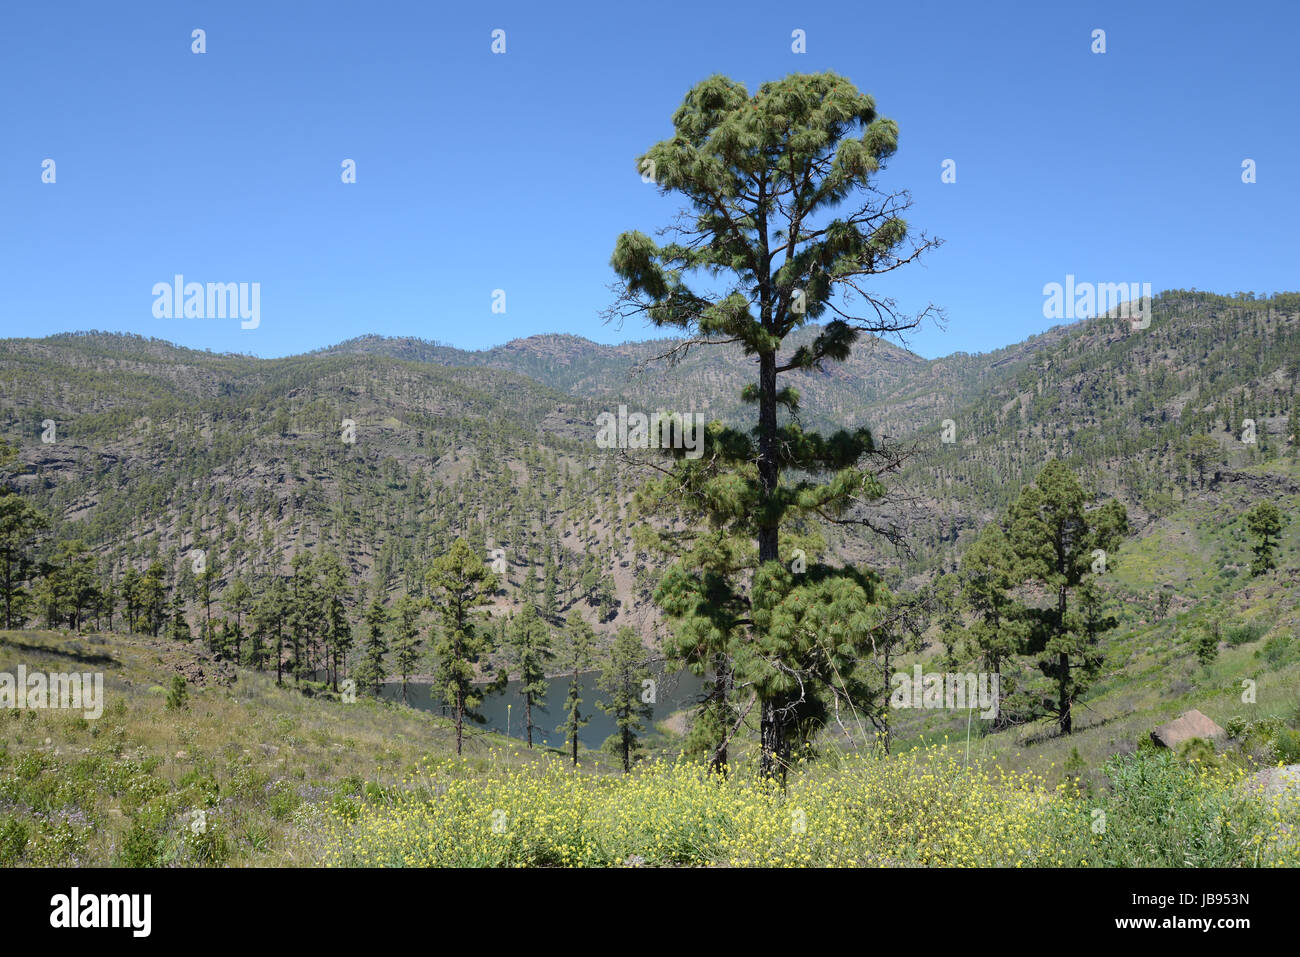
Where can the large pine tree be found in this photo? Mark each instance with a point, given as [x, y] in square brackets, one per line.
[1057, 541]
[785, 227]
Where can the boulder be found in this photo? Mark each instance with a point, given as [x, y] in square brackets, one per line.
[1191, 724]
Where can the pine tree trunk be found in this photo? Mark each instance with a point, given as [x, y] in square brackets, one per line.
[1000, 722]
[721, 693]
[885, 733]
[1063, 663]
[1063, 704]
[775, 744]
[772, 730]
[460, 716]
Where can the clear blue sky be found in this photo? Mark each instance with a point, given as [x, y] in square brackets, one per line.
[479, 171]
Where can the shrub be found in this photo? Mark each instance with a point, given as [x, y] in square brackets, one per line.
[1207, 647]
[145, 842]
[1286, 746]
[1275, 650]
[1236, 635]
[282, 800]
[206, 845]
[1164, 812]
[13, 841]
[177, 694]
[1198, 750]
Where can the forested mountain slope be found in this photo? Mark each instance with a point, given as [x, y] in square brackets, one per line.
[1122, 405]
[158, 450]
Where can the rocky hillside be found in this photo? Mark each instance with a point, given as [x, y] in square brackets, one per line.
[385, 450]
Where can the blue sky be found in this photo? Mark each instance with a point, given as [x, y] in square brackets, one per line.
[478, 171]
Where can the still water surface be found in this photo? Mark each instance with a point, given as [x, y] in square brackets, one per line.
[673, 692]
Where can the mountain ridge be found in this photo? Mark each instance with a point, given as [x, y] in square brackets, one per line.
[161, 449]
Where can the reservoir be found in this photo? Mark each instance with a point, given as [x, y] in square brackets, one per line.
[675, 691]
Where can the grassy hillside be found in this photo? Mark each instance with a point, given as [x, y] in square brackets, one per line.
[1120, 404]
[243, 773]
[159, 451]
[254, 758]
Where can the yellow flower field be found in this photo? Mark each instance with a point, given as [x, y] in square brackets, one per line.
[923, 808]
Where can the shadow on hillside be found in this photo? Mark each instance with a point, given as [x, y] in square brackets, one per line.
[1052, 732]
[81, 656]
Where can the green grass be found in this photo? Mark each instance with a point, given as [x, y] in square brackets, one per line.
[252, 758]
[254, 775]
[1151, 674]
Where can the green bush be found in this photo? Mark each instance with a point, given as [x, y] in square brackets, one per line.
[1275, 650]
[1236, 635]
[1286, 746]
[205, 843]
[282, 800]
[145, 843]
[177, 694]
[206, 786]
[1207, 647]
[13, 841]
[1199, 750]
[1164, 812]
[349, 786]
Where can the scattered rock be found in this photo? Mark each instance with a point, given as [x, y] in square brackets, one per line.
[1191, 724]
[1261, 484]
[204, 669]
[1276, 781]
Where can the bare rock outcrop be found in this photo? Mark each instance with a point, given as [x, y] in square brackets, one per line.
[1190, 724]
